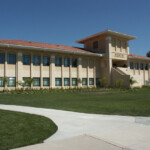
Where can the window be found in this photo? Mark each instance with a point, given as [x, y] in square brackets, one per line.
[91, 81]
[45, 61]
[74, 81]
[136, 66]
[11, 58]
[2, 58]
[131, 65]
[26, 79]
[1, 82]
[74, 62]
[45, 81]
[84, 81]
[36, 81]
[95, 45]
[141, 66]
[97, 81]
[66, 62]
[26, 59]
[146, 66]
[113, 42]
[58, 82]
[11, 82]
[36, 60]
[58, 61]
[66, 82]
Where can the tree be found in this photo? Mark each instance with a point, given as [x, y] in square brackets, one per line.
[5, 81]
[148, 54]
[79, 81]
[103, 81]
[132, 81]
[119, 82]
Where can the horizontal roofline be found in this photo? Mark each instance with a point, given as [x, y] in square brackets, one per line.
[139, 57]
[106, 32]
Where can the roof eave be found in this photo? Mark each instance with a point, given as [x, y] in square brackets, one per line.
[136, 57]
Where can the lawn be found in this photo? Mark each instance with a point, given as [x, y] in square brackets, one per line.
[98, 101]
[21, 129]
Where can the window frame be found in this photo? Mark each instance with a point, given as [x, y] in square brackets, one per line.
[11, 58]
[74, 81]
[92, 81]
[12, 84]
[67, 81]
[1, 82]
[36, 85]
[46, 63]
[59, 79]
[67, 62]
[136, 66]
[48, 82]
[131, 66]
[84, 84]
[35, 62]
[74, 62]
[27, 57]
[58, 61]
[2, 58]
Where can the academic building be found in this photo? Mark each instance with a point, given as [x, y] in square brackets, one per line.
[105, 54]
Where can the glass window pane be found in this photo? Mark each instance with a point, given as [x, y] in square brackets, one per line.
[58, 82]
[97, 81]
[146, 66]
[136, 66]
[25, 79]
[11, 58]
[36, 60]
[74, 62]
[91, 81]
[131, 65]
[66, 62]
[84, 81]
[1, 82]
[58, 61]
[66, 82]
[141, 66]
[45, 81]
[2, 58]
[26, 59]
[36, 81]
[74, 81]
[11, 82]
[45, 61]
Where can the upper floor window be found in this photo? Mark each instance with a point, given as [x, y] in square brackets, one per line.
[136, 66]
[124, 45]
[146, 66]
[36, 60]
[2, 58]
[58, 61]
[119, 43]
[131, 65]
[66, 62]
[141, 66]
[113, 42]
[45, 61]
[74, 62]
[11, 58]
[95, 45]
[26, 59]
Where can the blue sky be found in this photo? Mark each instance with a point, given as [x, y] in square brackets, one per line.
[65, 21]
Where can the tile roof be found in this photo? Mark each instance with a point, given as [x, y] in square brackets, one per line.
[43, 45]
[134, 55]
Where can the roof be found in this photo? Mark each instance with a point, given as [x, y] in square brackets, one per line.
[43, 45]
[107, 32]
[138, 56]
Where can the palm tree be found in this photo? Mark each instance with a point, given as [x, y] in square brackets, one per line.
[5, 81]
[148, 54]
[132, 81]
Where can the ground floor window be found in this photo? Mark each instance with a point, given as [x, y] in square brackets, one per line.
[84, 81]
[26, 81]
[58, 82]
[91, 81]
[45, 81]
[74, 81]
[1, 82]
[36, 81]
[11, 82]
[66, 82]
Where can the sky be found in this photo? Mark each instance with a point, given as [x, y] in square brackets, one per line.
[65, 21]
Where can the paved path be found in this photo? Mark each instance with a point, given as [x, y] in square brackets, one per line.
[81, 131]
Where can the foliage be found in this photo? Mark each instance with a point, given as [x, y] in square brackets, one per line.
[148, 54]
[103, 82]
[132, 81]
[5, 80]
[119, 82]
[79, 81]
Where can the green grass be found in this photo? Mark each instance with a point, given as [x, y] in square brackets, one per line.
[21, 129]
[99, 101]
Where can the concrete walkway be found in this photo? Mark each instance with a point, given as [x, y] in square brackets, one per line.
[82, 131]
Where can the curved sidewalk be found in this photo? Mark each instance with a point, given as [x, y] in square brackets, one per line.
[113, 132]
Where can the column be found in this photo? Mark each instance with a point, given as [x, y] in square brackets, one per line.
[5, 68]
[52, 71]
[94, 73]
[41, 72]
[88, 73]
[62, 71]
[144, 73]
[31, 68]
[149, 73]
[70, 76]
[79, 70]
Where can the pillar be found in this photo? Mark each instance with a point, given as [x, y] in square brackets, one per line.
[79, 70]
[52, 71]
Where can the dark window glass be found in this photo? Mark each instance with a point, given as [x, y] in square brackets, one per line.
[25, 79]
[36, 60]
[11, 82]
[11, 58]
[141, 66]
[136, 66]
[45, 81]
[1, 82]
[74, 81]
[66, 82]
[146, 66]
[58, 82]
[36, 81]
[91, 81]
[74, 62]
[58, 61]
[66, 62]
[84, 81]
[45, 61]
[95, 44]
[97, 81]
[26, 59]
[2, 58]
[131, 65]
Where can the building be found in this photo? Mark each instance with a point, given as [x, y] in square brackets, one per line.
[105, 54]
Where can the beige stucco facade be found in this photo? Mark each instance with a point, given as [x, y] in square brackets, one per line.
[109, 57]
